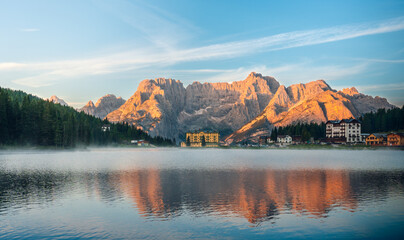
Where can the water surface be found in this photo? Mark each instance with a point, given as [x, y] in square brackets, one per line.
[196, 193]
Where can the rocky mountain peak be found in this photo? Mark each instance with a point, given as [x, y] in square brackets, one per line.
[89, 104]
[55, 99]
[350, 91]
[163, 107]
[103, 106]
[259, 81]
[306, 103]
[109, 99]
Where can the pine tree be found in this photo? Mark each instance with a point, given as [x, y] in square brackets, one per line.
[203, 141]
[188, 142]
[4, 102]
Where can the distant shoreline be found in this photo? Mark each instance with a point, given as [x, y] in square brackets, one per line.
[124, 147]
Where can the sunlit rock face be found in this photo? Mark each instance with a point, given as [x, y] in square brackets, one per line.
[166, 108]
[55, 99]
[314, 102]
[245, 109]
[154, 107]
[104, 105]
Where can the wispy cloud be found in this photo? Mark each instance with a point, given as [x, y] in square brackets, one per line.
[383, 87]
[29, 30]
[380, 60]
[161, 28]
[288, 73]
[146, 58]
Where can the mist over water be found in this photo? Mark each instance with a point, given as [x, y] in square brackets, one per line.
[212, 193]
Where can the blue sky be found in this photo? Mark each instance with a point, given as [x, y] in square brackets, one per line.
[81, 50]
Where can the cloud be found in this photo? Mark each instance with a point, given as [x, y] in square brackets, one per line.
[159, 57]
[29, 30]
[288, 74]
[11, 66]
[159, 27]
[380, 60]
[383, 87]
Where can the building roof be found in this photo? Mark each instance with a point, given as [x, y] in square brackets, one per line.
[378, 135]
[199, 131]
[351, 120]
[283, 136]
[400, 134]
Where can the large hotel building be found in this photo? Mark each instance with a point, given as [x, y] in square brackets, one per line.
[347, 130]
[200, 138]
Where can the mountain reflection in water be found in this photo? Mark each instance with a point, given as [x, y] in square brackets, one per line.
[256, 195]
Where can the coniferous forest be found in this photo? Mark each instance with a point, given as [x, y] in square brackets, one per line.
[383, 120]
[305, 130]
[26, 120]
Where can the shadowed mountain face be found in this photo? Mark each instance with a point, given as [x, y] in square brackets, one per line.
[253, 106]
[254, 195]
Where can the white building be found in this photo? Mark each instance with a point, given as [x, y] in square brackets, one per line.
[106, 127]
[284, 139]
[348, 130]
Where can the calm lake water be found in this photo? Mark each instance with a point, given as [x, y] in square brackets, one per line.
[206, 194]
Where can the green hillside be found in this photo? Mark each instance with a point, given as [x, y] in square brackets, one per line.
[26, 120]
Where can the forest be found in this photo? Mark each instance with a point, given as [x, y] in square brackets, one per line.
[305, 130]
[26, 120]
[383, 121]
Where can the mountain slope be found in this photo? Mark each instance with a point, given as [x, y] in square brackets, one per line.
[321, 105]
[55, 99]
[164, 107]
[104, 105]
[250, 107]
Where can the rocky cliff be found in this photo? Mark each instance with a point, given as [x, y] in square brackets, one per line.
[55, 99]
[164, 107]
[103, 106]
[314, 102]
[245, 108]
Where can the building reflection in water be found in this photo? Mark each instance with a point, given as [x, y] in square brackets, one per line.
[257, 195]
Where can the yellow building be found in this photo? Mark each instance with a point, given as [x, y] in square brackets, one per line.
[376, 139]
[198, 139]
[395, 139]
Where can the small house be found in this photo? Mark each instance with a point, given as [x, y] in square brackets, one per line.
[263, 140]
[143, 143]
[395, 139]
[106, 127]
[376, 139]
[284, 139]
[296, 139]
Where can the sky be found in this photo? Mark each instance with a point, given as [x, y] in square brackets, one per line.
[81, 50]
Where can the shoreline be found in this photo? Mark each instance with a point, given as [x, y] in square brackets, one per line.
[289, 147]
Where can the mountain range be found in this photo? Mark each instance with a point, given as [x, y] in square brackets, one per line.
[103, 106]
[239, 110]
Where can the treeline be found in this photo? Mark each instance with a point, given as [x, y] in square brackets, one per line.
[29, 120]
[383, 120]
[305, 130]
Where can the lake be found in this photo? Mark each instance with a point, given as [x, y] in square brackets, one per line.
[201, 193]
